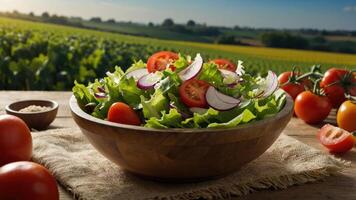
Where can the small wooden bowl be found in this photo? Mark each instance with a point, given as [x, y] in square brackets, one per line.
[35, 120]
[181, 155]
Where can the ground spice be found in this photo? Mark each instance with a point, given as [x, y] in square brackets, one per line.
[34, 108]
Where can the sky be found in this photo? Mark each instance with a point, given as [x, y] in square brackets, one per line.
[319, 14]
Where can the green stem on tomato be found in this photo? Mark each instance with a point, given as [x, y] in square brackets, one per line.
[315, 72]
[316, 87]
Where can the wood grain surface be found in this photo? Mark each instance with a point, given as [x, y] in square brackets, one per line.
[342, 186]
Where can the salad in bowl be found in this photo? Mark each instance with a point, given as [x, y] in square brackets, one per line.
[179, 118]
[177, 91]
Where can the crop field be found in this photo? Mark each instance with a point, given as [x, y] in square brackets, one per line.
[38, 56]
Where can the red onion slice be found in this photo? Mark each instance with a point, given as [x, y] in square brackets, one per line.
[193, 69]
[220, 101]
[229, 76]
[100, 95]
[269, 85]
[137, 74]
[101, 89]
[148, 81]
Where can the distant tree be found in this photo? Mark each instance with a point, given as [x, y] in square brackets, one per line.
[168, 22]
[45, 15]
[58, 19]
[111, 21]
[180, 29]
[95, 19]
[319, 39]
[206, 31]
[284, 40]
[236, 27]
[191, 23]
[150, 24]
[76, 18]
[15, 12]
[31, 14]
[226, 39]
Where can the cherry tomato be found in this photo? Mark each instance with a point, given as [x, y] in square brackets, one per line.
[346, 116]
[27, 181]
[335, 139]
[225, 64]
[122, 113]
[284, 77]
[293, 89]
[15, 140]
[336, 92]
[192, 93]
[161, 60]
[312, 108]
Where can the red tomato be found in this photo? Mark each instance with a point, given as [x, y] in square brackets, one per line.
[192, 93]
[161, 60]
[336, 92]
[27, 181]
[337, 140]
[122, 113]
[346, 116]
[225, 64]
[15, 140]
[293, 89]
[312, 108]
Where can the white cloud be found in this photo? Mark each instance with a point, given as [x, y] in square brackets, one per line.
[351, 8]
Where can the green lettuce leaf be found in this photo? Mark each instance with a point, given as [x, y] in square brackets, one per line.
[181, 63]
[83, 94]
[201, 120]
[130, 93]
[171, 120]
[155, 105]
[211, 74]
[136, 65]
[244, 117]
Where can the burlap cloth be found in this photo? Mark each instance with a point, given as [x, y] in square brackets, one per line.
[89, 175]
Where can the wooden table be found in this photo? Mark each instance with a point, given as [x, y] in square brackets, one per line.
[342, 186]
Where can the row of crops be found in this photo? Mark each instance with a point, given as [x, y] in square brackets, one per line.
[36, 56]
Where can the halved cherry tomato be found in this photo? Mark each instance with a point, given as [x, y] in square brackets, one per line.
[312, 108]
[161, 60]
[334, 85]
[225, 64]
[346, 116]
[337, 140]
[27, 181]
[122, 113]
[192, 93]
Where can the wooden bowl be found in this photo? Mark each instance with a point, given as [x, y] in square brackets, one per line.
[35, 120]
[181, 155]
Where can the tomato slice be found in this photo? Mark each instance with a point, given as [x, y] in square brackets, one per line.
[337, 140]
[161, 60]
[192, 93]
[225, 64]
[122, 113]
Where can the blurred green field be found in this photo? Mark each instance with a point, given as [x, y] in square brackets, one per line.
[50, 57]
